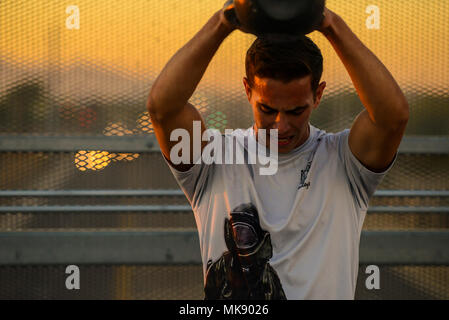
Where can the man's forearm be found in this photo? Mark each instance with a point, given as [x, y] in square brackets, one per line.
[377, 89]
[181, 75]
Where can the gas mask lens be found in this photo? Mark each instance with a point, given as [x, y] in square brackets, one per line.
[245, 235]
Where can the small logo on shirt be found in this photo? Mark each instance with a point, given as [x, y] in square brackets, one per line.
[304, 173]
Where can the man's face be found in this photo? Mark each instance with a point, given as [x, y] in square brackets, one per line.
[283, 106]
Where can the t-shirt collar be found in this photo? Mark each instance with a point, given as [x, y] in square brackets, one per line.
[312, 134]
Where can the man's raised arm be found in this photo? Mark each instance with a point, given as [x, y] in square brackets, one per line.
[168, 99]
[377, 131]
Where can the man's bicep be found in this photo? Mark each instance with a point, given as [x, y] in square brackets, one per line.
[184, 122]
[373, 146]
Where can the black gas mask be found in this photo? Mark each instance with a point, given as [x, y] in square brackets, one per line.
[244, 272]
[245, 238]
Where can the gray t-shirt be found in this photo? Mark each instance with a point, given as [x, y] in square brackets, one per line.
[313, 216]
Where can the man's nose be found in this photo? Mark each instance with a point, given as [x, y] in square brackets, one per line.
[281, 123]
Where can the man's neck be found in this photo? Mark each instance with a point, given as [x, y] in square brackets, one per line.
[301, 142]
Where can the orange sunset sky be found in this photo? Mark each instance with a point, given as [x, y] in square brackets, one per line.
[138, 37]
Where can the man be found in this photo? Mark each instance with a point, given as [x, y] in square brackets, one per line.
[294, 234]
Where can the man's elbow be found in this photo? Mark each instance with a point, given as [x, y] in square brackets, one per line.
[150, 105]
[153, 109]
[403, 112]
[399, 119]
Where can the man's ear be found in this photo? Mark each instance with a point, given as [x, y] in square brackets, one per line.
[319, 93]
[247, 88]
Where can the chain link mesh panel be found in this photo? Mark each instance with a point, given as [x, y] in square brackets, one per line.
[96, 170]
[96, 221]
[89, 81]
[103, 282]
[185, 282]
[51, 171]
[406, 283]
[407, 221]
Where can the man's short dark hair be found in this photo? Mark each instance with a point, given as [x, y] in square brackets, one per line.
[284, 60]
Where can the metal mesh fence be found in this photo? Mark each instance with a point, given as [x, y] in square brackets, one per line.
[406, 282]
[50, 171]
[96, 221]
[40, 171]
[94, 81]
[103, 282]
[185, 282]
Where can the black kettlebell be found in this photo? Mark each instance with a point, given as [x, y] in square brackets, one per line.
[290, 17]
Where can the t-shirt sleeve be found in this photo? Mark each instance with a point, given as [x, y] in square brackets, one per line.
[363, 182]
[194, 181]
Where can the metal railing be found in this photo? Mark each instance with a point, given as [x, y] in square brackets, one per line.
[181, 247]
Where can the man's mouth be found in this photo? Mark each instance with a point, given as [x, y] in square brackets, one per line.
[284, 141]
